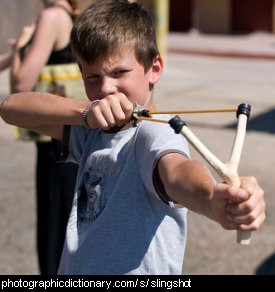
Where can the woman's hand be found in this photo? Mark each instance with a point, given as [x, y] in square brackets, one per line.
[25, 36]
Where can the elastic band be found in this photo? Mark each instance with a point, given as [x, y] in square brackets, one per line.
[87, 109]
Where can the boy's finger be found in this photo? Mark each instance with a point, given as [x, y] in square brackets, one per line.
[246, 217]
[96, 119]
[118, 115]
[127, 107]
[231, 194]
[253, 226]
[109, 116]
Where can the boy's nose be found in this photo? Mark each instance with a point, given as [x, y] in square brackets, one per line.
[108, 86]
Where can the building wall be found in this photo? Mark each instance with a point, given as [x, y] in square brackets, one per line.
[251, 15]
[223, 16]
[84, 3]
[14, 14]
[209, 16]
[212, 16]
[181, 13]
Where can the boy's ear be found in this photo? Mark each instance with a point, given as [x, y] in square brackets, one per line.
[156, 70]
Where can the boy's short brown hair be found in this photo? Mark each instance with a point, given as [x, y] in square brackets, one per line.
[113, 24]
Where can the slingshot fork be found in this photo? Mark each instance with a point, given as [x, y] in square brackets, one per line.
[228, 171]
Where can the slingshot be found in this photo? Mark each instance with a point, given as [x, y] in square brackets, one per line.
[228, 171]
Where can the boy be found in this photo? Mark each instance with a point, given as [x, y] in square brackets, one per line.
[130, 178]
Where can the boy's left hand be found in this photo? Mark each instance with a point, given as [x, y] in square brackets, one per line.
[239, 208]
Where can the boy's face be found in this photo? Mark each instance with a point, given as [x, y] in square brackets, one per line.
[121, 73]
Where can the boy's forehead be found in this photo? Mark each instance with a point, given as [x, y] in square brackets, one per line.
[120, 56]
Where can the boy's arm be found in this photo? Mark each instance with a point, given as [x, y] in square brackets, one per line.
[191, 185]
[42, 112]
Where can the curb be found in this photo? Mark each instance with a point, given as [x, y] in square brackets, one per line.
[222, 54]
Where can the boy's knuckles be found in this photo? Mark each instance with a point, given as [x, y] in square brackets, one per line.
[120, 119]
[104, 102]
[111, 99]
[128, 108]
[112, 123]
[95, 110]
[105, 128]
[248, 207]
[251, 218]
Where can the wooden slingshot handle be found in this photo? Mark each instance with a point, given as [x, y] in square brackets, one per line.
[229, 170]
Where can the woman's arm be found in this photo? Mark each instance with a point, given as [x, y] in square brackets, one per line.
[25, 69]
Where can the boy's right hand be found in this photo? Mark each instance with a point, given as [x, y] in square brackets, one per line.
[111, 111]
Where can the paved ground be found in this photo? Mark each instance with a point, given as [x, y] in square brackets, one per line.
[189, 81]
[258, 45]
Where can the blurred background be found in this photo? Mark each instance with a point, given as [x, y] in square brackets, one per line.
[218, 53]
[205, 16]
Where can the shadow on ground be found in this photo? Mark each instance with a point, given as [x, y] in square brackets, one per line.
[264, 122]
[267, 267]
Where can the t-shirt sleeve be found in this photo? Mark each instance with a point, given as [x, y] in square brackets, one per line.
[154, 140]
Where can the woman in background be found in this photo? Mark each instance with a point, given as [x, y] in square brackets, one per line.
[41, 68]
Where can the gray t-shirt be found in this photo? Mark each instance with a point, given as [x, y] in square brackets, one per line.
[118, 223]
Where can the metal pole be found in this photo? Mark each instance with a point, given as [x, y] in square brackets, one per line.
[161, 16]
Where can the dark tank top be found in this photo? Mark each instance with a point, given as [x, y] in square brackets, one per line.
[65, 55]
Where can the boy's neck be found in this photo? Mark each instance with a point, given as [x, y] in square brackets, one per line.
[150, 106]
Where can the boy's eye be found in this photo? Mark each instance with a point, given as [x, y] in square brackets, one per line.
[92, 77]
[120, 72]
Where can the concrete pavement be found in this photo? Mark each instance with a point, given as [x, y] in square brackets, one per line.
[189, 81]
[258, 45]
